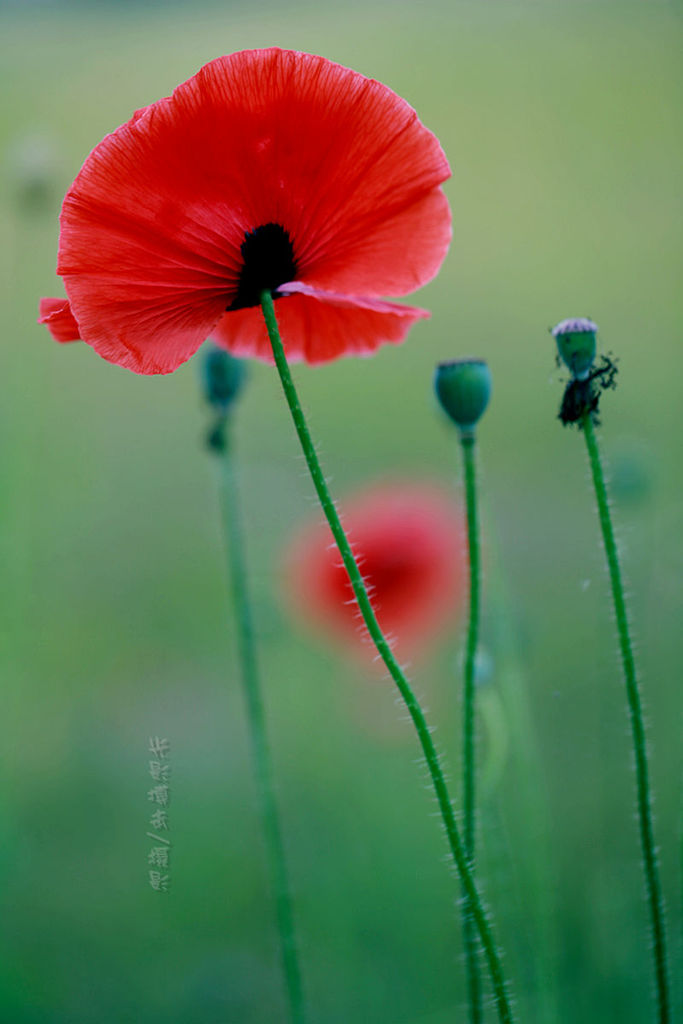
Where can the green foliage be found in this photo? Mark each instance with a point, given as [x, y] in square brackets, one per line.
[562, 125]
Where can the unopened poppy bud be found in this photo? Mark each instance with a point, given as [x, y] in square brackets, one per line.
[463, 388]
[222, 377]
[576, 345]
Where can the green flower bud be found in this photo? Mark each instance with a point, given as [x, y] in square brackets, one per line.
[576, 345]
[222, 377]
[463, 388]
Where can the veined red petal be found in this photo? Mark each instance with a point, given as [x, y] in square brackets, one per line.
[342, 162]
[152, 228]
[57, 316]
[152, 336]
[394, 256]
[317, 326]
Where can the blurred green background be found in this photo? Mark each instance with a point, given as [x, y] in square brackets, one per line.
[562, 123]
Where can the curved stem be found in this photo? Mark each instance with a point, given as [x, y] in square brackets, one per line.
[651, 868]
[468, 442]
[423, 731]
[263, 769]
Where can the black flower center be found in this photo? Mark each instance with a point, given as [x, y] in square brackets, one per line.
[268, 262]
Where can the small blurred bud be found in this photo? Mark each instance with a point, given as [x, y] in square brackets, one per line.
[576, 345]
[222, 377]
[32, 166]
[215, 437]
[463, 388]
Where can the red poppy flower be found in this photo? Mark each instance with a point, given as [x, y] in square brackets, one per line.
[267, 169]
[410, 544]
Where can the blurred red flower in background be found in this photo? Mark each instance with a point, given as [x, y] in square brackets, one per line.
[409, 540]
[268, 169]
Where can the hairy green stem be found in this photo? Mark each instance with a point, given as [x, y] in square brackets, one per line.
[263, 769]
[423, 731]
[467, 441]
[650, 865]
[530, 805]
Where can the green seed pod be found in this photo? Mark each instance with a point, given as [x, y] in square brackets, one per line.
[463, 388]
[222, 377]
[576, 345]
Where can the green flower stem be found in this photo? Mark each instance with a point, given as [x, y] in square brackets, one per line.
[263, 769]
[531, 803]
[423, 731]
[653, 885]
[467, 440]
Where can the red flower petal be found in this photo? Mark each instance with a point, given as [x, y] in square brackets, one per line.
[410, 542]
[317, 326]
[152, 228]
[57, 316]
[380, 255]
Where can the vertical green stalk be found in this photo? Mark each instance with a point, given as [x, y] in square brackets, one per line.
[680, 896]
[423, 731]
[468, 441]
[651, 868]
[531, 802]
[257, 729]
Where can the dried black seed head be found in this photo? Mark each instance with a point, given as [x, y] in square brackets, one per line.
[583, 396]
[268, 261]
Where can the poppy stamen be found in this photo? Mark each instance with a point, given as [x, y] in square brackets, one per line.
[269, 261]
